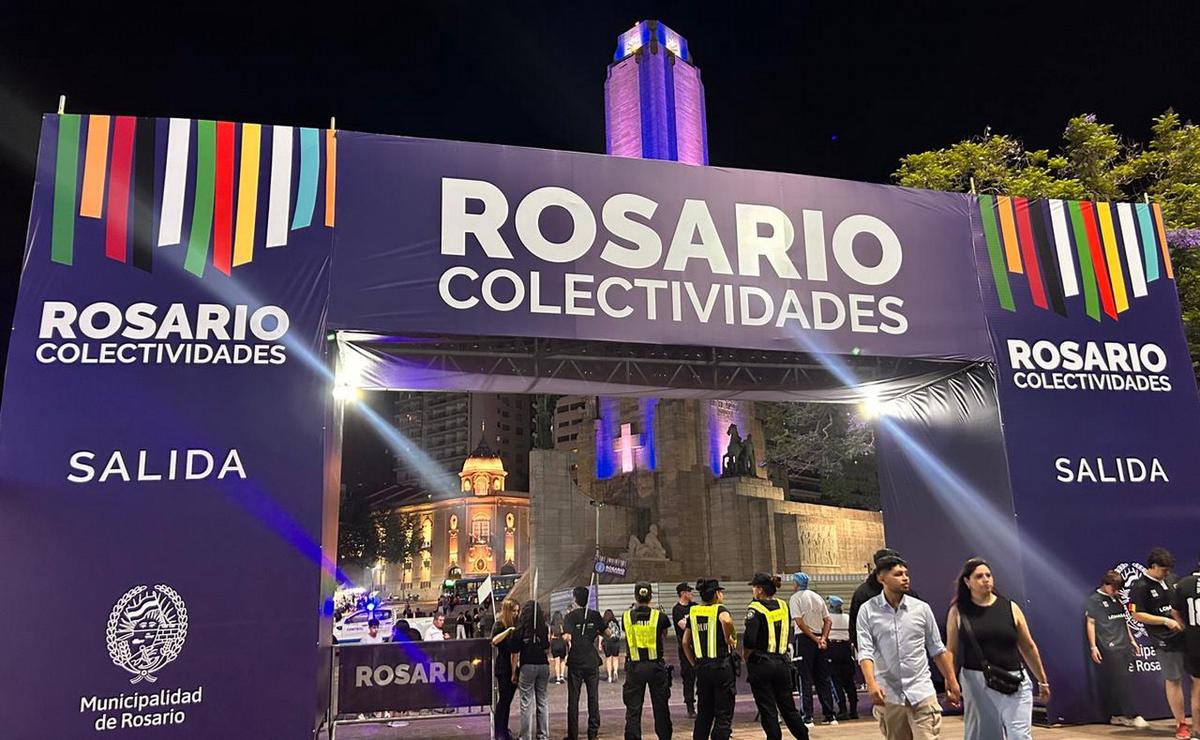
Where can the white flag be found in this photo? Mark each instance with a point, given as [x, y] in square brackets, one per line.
[535, 610]
[485, 589]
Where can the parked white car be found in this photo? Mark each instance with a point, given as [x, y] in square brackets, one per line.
[353, 627]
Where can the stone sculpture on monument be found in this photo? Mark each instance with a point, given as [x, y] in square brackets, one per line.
[648, 549]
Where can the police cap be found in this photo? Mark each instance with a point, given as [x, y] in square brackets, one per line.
[708, 588]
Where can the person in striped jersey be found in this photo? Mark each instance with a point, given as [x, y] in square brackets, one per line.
[768, 628]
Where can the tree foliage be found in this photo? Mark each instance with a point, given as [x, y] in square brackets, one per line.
[1091, 163]
[365, 537]
[825, 441]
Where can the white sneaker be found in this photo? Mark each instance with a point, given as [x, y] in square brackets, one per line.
[809, 725]
[1140, 722]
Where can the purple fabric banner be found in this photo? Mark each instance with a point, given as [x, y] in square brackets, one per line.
[164, 446]
[161, 456]
[438, 236]
[1101, 418]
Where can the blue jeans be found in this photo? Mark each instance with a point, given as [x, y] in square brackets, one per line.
[533, 682]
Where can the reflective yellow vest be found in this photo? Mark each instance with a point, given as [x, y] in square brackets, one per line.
[642, 636]
[777, 625]
[708, 647]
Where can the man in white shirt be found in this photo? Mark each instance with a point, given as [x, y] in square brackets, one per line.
[811, 616]
[372, 637]
[434, 631]
[897, 636]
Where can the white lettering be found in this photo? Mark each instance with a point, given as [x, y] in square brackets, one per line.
[484, 226]
[647, 249]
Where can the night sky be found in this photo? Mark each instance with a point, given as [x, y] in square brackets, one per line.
[838, 89]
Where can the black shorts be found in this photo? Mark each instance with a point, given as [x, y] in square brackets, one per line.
[612, 648]
[1191, 661]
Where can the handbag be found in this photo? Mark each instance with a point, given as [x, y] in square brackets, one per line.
[996, 678]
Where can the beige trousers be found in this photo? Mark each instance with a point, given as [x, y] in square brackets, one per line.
[921, 721]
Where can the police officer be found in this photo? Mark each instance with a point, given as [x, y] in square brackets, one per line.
[708, 643]
[644, 628]
[679, 616]
[768, 627]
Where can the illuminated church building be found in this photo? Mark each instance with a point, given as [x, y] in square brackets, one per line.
[482, 528]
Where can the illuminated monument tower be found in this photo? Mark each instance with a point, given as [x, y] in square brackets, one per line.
[672, 510]
[653, 98]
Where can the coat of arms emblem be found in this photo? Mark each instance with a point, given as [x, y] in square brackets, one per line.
[146, 630]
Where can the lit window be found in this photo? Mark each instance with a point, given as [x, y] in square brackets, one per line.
[481, 529]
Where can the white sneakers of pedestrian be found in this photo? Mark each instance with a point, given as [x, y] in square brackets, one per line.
[1139, 722]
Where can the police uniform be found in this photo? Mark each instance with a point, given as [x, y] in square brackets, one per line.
[645, 668]
[768, 627]
[716, 682]
[679, 613]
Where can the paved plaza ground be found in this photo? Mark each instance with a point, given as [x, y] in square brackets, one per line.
[744, 725]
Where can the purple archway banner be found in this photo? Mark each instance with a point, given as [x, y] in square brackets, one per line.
[1100, 413]
[161, 451]
[437, 236]
[164, 467]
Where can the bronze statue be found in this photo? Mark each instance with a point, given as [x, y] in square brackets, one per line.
[739, 455]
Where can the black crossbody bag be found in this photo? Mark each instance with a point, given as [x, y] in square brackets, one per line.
[996, 678]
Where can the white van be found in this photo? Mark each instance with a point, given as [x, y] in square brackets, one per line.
[353, 627]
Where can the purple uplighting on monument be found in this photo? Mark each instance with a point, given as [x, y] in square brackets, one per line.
[654, 99]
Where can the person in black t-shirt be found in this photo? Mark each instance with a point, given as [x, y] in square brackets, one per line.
[645, 667]
[768, 633]
[531, 669]
[707, 643]
[1112, 647]
[504, 642]
[867, 590]
[679, 616]
[1185, 605]
[558, 654]
[1150, 604]
[583, 630]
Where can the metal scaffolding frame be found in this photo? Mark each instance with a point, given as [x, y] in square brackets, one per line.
[714, 369]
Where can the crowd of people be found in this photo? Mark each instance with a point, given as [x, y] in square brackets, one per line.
[989, 661]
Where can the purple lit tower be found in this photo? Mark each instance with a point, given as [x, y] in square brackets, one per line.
[653, 98]
[653, 109]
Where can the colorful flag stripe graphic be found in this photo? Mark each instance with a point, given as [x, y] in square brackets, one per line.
[1107, 252]
[190, 184]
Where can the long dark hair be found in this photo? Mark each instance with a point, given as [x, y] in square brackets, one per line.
[531, 624]
[962, 594]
